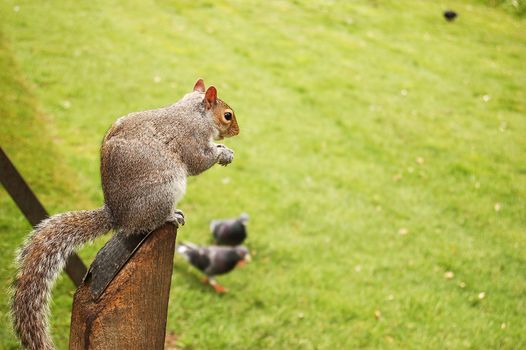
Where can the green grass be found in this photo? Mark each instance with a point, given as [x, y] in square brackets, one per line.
[359, 120]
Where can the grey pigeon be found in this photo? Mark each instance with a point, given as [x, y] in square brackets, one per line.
[213, 260]
[230, 232]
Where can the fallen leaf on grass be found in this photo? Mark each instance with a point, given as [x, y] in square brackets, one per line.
[377, 314]
[449, 275]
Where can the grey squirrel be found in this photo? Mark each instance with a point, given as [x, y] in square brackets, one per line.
[145, 159]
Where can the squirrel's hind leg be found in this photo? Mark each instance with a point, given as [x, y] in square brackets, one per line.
[146, 210]
[178, 189]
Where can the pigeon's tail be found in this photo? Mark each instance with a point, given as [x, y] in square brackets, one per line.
[243, 217]
[184, 249]
[213, 226]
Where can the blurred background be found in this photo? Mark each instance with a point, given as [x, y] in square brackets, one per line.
[381, 159]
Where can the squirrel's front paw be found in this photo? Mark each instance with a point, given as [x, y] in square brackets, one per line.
[226, 155]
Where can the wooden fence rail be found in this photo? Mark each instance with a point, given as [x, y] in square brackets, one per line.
[33, 210]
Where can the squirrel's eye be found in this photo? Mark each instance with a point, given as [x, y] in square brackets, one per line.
[228, 115]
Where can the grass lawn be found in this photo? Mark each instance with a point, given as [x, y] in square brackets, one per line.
[382, 158]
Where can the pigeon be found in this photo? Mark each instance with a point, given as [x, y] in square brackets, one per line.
[214, 260]
[450, 15]
[230, 232]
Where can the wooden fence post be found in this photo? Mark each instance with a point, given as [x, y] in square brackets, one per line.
[123, 301]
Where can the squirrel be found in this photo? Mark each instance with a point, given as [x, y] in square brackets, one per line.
[145, 160]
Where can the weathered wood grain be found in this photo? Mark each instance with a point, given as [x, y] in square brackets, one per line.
[131, 312]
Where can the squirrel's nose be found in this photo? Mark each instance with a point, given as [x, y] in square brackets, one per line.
[233, 131]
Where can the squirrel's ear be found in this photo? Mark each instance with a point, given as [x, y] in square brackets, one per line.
[199, 85]
[210, 96]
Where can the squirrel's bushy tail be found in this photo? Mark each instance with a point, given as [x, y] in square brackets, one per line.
[40, 261]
